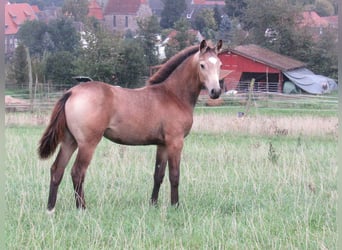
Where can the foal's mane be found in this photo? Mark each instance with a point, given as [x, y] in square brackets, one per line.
[168, 67]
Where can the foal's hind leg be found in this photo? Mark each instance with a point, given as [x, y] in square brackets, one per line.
[159, 172]
[67, 148]
[78, 172]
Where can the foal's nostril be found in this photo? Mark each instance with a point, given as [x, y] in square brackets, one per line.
[215, 93]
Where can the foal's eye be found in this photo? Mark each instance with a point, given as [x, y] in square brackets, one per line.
[202, 66]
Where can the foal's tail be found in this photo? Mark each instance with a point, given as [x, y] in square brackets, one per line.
[55, 130]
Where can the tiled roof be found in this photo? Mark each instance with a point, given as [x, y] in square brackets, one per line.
[16, 14]
[267, 57]
[206, 2]
[332, 20]
[312, 19]
[35, 8]
[95, 10]
[123, 7]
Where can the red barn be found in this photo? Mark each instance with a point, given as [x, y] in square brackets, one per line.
[251, 61]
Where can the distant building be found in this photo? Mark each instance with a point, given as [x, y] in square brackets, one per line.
[271, 72]
[195, 6]
[49, 13]
[157, 6]
[95, 10]
[122, 16]
[317, 24]
[15, 15]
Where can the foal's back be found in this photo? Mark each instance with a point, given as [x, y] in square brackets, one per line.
[148, 115]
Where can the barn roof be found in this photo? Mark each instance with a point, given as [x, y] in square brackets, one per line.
[267, 57]
[127, 7]
[16, 14]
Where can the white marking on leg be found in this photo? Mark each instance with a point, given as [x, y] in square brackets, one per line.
[50, 212]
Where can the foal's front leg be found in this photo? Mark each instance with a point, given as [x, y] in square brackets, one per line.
[174, 156]
[159, 172]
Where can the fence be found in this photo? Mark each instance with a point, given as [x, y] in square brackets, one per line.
[274, 100]
[40, 98]
[44, 96]
[244, 86]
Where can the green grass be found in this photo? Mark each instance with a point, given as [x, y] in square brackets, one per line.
[274, 105]
[267, 111]
[237, 191]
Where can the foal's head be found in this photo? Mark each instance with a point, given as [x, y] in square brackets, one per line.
[209, 68]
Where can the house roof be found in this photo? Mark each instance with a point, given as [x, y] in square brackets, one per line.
[16, 14]
[206, 2]
[312, 19]
[95, 10]
[267, 57]
[332, 20]
[126, 7]
[35, 8]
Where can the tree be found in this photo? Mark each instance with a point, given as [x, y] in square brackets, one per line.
[31, 34]
[57, 35]
[172, 12]
[98, 58]
[278, 16]
[47, 43]
[324, 8]
[148, 30]
[225, 28]
[60, 68]
[235, 8]
[323, 58]
[205, 22]
[64, 35]
[19, 68]
[182, 39]
[131, 65]
[217, 15]
[78, 9]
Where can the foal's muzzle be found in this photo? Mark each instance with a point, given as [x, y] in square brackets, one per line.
[215, 93]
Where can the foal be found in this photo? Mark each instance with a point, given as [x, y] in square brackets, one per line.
[160, 113]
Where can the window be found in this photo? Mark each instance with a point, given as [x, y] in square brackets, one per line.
[114, 21]
[126, 21]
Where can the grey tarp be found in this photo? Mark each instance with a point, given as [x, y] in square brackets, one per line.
[290, 88]
[309, 82]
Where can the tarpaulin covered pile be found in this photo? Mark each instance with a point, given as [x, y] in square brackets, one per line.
[310, 82]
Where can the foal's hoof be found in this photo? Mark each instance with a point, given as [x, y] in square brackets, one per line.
[50, 211]
[175, 205]
[154, 203]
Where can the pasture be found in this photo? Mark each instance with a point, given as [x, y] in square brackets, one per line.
[264, 181]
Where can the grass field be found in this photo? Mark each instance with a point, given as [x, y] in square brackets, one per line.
[257, 182]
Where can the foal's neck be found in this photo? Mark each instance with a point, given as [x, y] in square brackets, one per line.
[184, 82]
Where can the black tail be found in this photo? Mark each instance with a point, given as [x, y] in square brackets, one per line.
[55, 130]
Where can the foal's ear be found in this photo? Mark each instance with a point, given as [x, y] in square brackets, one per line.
[218, 46]
[203, 46]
